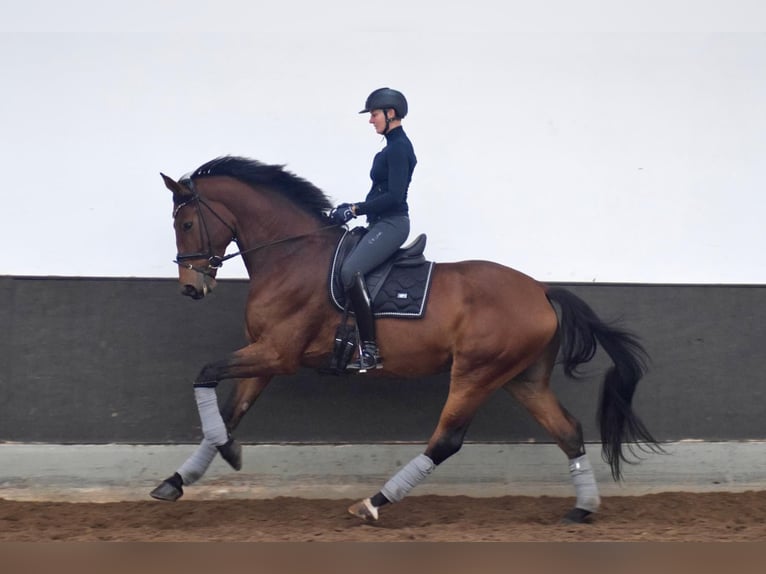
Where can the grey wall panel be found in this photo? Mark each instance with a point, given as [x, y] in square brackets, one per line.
[88, 360]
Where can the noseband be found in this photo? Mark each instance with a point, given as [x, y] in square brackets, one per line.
[215, 262]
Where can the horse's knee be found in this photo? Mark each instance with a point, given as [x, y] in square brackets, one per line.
[446, 445]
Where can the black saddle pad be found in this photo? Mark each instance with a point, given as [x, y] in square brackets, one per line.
[397, 289]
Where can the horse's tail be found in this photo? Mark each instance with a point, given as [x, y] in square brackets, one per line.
[580, 331]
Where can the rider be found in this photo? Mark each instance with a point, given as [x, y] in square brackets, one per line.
[387, 214]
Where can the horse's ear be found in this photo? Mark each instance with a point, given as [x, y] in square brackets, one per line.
[177, 189]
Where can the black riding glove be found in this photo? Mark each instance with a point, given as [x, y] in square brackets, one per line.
[341, 214]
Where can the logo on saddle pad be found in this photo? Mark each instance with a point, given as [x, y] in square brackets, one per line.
[398, 287]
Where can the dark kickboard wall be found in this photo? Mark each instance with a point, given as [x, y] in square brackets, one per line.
[96, 360]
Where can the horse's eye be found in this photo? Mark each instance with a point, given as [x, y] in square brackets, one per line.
[187, 225]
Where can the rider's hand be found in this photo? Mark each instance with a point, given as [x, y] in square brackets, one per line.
[341, 214]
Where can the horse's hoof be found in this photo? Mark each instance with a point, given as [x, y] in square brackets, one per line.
[577, 516]
[231, 452]
[167, 491]
[364, 510]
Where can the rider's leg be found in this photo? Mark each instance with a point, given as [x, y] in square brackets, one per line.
[382, 239]
[369, 357]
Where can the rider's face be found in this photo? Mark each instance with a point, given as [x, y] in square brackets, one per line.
[378, 119]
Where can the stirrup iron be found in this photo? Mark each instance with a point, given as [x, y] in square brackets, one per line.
[369, 359]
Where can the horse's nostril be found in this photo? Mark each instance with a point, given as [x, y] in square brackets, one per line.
[191, 291]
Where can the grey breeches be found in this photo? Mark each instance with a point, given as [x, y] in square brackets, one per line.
[381, 240]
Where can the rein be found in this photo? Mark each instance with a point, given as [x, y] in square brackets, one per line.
[216, 261]
[271, 243]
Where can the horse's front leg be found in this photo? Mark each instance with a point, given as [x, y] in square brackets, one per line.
[241, 399]
[257, 360]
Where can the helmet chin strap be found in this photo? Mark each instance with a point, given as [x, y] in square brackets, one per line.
[388, 120]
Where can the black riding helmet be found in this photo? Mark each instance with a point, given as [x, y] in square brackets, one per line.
[386, 99]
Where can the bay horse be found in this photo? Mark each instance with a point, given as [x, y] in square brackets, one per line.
[488, 325]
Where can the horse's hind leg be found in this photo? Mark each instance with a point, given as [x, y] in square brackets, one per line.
[241, 399]
[463, 401]
[532, 390]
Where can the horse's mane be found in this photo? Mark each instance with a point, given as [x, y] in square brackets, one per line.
[255, 173]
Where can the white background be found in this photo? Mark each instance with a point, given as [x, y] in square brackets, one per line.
[605, 141]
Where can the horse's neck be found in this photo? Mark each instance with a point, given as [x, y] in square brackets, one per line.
[276, 236]
[261, 216]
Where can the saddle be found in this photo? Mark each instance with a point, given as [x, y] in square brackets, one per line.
[398, 287]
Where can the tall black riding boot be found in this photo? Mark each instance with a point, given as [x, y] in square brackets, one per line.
[369, 358]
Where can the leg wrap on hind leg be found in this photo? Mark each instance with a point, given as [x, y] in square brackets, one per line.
[408, 478]
[584, 481]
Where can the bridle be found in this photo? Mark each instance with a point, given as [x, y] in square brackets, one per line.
[215, 262]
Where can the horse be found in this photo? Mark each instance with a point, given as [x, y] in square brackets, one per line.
[488, 325]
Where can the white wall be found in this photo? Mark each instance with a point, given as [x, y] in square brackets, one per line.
[575, 141]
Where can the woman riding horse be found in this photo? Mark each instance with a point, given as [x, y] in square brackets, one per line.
[387, 214]
[489, 326]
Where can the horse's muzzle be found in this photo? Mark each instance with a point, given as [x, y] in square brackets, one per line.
[194, 292]
[195, 284]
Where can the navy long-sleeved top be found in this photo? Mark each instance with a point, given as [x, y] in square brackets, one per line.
[391, 174]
